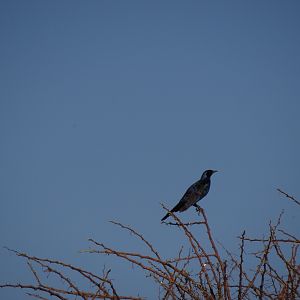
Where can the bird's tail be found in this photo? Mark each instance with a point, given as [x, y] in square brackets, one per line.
[166, 216]
[174, 209]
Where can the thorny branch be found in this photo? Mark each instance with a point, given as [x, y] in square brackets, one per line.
[240, 289]
[195, 272]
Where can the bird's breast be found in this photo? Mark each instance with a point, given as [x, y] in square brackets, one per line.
[202, 190]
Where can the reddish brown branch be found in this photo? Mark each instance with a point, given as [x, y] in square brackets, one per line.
[200, 272]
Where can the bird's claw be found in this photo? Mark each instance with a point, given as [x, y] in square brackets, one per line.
[198, 208]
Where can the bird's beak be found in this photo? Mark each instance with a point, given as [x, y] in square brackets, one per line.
[215, 171]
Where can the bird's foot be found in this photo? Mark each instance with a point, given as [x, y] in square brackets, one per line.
[198, 208]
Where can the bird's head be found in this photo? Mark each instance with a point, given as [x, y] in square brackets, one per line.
[207, 174]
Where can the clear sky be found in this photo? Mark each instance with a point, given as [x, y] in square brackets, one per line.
[109, 108]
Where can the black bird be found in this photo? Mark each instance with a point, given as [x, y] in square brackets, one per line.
[193, 194]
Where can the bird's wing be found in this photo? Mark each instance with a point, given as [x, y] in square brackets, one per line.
[188, 199]
[202, 188]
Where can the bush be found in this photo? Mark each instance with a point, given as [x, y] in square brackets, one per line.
[275, 276]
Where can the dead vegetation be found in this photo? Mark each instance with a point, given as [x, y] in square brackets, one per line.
[212, 276]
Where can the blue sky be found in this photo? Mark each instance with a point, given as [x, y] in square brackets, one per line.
[108, 109]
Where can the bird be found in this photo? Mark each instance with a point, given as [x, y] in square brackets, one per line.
[193, 194]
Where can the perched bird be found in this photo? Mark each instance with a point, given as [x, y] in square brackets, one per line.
[193, 194]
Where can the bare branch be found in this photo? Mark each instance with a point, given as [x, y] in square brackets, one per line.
[288, 196]
[198, 270]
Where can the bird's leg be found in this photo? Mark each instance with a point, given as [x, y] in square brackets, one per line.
[198, 208]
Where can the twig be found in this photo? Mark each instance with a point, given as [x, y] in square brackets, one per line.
[240, 289]
[288, 196]
[185, 224]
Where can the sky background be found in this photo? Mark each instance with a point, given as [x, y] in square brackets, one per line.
[108, 109]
